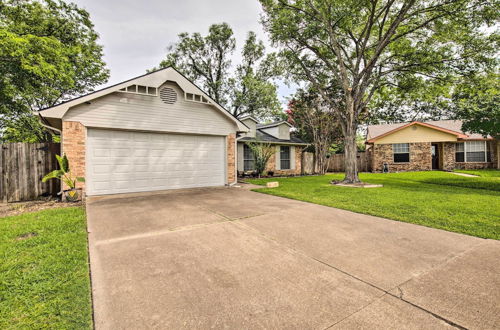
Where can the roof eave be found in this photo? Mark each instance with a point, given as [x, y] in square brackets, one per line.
[457, 134]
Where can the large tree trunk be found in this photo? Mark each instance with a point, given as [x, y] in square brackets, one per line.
[350, 156]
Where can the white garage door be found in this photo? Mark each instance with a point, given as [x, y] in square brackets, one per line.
[126, 161]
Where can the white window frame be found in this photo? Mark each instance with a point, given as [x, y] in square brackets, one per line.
[396, 149]
[467, 145]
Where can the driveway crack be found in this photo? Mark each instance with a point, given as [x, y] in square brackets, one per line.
[385, 292]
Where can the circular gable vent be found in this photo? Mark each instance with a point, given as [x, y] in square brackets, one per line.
[168, 95]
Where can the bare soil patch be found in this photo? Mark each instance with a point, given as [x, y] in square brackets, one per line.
[9, 209]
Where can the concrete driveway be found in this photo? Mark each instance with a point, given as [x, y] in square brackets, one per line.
[232, 258]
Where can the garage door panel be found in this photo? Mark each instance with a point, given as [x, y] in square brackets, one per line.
[122, 161]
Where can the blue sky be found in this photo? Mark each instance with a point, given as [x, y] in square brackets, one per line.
[135, 34]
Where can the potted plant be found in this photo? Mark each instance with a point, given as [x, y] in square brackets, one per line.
[72, 194]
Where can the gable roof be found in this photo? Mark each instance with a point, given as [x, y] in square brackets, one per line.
[265, 137]
[273, 124]
[151, 79]
[248, 117]
[453, 127]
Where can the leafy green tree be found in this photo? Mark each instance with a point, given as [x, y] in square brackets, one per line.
[262, 152]
[206, 60]
[315, 123]
[477, 103]
[49, 53]
[366, 45]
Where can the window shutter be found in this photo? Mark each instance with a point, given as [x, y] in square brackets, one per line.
[278, 158]
[292, 157]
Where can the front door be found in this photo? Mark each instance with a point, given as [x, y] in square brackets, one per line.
[435, 156]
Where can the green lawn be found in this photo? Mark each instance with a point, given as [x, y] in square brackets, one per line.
[435, 199]
[490, 173]
[44, 274]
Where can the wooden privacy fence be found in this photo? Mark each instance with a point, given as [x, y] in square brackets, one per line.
[336, 162]
[307, 163]
[23, 165]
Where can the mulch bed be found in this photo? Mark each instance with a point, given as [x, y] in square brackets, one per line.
[9, 209]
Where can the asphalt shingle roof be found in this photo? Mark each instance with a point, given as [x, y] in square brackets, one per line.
[263, 136]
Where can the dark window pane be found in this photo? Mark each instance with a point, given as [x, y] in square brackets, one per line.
[488, 156]
[402, 158]
[285, 152]
[285, 164]
[248, 159]
[475, 156]
[460, 157]
[285, 157]
[248, 165]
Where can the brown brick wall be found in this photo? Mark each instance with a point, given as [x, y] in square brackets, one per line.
[475, 166]
[73, 145]
[231, 158]
[447, 156]
[420, 158]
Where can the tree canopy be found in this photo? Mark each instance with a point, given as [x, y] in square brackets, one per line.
[49, 53]
[245, 89]
[477, 103]
[370, 45]
[312, 116]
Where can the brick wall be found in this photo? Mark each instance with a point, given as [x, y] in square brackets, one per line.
[476, 166]
[271, 164]
[73, 145]
[447, 156]
[420, 158]
[231, 158]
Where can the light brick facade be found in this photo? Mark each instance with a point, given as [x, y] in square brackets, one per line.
[74, 135]
[271, 164]
[231, 158]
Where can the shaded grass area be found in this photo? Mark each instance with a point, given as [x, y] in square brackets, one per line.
[434, 199]
[44, 275]
[488, 173]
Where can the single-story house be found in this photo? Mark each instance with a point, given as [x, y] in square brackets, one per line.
[431, 145]
[154, 132]
[287, 160]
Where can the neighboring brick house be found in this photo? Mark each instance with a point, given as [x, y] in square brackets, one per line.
[287, 160]
[154, 132]
[433, 145]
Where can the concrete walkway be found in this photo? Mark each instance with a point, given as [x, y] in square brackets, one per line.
[232, 258]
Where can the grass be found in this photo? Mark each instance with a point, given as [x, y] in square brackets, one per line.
[435, 199]
[490, 173]
[44, 275]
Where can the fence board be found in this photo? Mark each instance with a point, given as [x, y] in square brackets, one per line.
[23, 166]
[336, 162]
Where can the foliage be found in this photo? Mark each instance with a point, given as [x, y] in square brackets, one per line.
[434, 199]
[49, 53]
[44, 274]
[206, 60]
[315, 123]
[477, 103]
[63, 173]
[262, 152]
[338, 148]
[366, 46]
